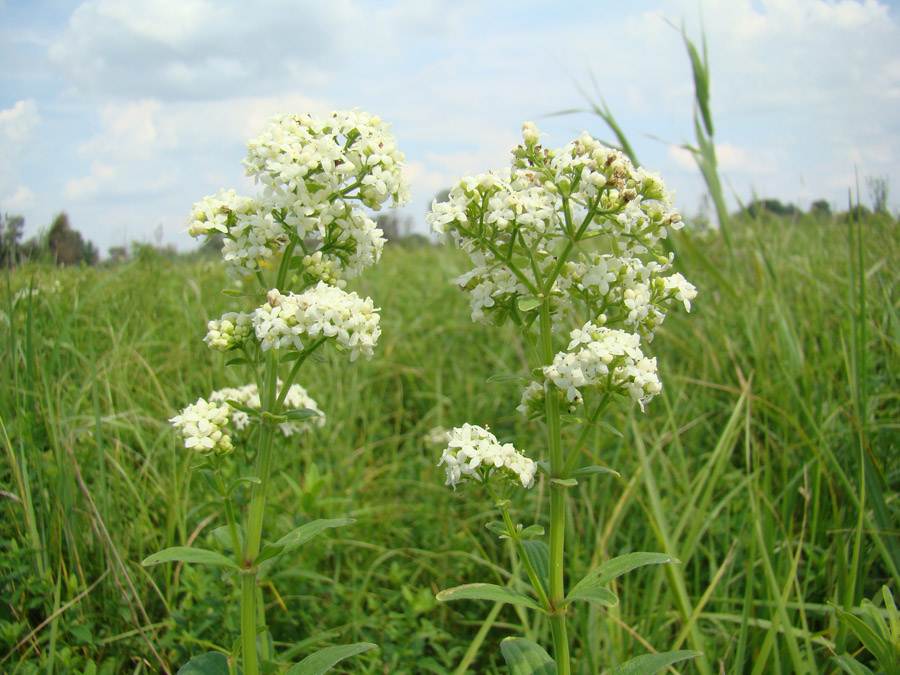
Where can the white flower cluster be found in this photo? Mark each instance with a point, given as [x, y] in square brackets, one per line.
[629, 291]
[203, 426]
[324, 311]
[248, 397]
[515, 223]
[314, 174]
[602, 358]
[230, 331]
[474, 453]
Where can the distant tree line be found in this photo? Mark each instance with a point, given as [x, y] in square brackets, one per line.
[60, 244]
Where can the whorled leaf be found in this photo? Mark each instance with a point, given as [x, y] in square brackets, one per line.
[490, 592]
[324, 659]
[647, 664]
[524, 657]
[189, 555]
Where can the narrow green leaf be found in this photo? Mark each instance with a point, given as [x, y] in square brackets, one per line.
[306, 532]
[531, 532]
[240, 406]
[875, 643]
[323, 660]
[524, 657]
[222, 536]
[599, 595]
[850, 665]
[189, 555]
[237, 361]
[498, 528]
[592, 471]
[268, 552]
[564, 482]
[647, 664]
[612, 569]
[301, 414]
[211, 663]
[275, 419]
[616, 567]
[253, 480]
[893, 615]
[538, 554]
[527, 303]
[210, 478]
[490, 592]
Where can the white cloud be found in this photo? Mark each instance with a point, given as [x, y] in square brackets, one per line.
[16, 124]
[16, 127]
[168, 91]
[20, 200]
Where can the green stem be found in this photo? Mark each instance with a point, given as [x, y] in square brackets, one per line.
[229, 516]
[536, 583]
[557, 507]
[255, 521]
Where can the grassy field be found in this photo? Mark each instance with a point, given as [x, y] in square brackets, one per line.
[768, 466]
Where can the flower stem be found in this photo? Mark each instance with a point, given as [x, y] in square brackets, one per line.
[255, 522]
[557, 507]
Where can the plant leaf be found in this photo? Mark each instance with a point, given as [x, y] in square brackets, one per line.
[324, 659]
[616, 567]
[538, 554]
[298, 537]
[211, 663]
[498, 528]
[490, 592]
[592, 471]
[875, 643]
[301, 414]
[600, 595]
[524, 657]
[189, 555]
[647, 664]
[527, 303]
[531, 532]
[612, 569]
[850, 665]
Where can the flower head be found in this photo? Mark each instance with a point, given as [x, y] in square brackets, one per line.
[324, 311]
[474, 453]
[203, 426]
[516, 223]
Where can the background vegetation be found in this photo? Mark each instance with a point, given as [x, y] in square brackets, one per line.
[768, 465]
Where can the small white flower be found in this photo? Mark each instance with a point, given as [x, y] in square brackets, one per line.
[323, 311]
[605, 359]
[473, 452]
[248, 397]
[203, 426]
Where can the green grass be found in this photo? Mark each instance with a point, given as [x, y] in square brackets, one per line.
[768, 466]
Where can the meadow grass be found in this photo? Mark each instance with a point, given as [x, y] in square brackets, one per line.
[767, 466]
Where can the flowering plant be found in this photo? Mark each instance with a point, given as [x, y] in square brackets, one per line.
[564, 242]
[299, 239]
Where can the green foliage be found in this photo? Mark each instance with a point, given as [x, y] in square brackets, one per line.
[753, 476]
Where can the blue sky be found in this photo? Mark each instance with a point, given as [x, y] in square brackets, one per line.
[124, 113]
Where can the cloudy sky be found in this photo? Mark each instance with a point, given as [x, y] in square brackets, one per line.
[124, 112]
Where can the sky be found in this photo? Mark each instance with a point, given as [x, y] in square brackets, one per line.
[124, 113]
